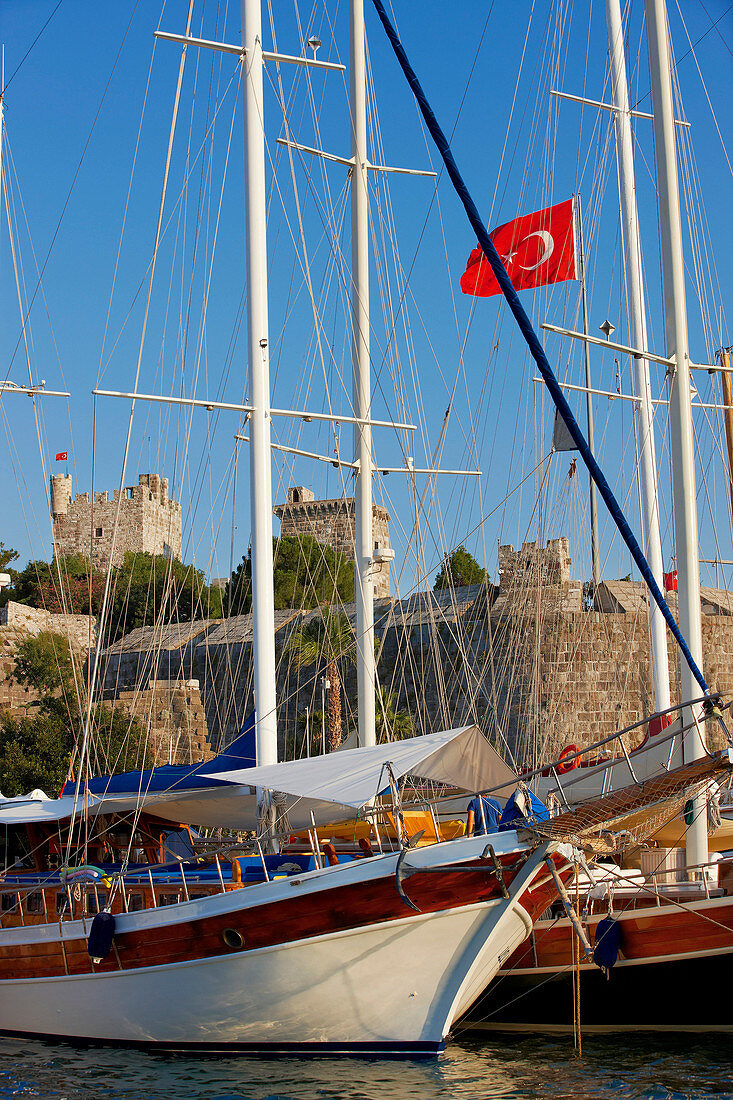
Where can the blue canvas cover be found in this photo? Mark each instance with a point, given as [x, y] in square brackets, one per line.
[513, 818]
[241, 753]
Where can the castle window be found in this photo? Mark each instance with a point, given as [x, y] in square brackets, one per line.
[296, 496]
[129, 493]
[98, 532]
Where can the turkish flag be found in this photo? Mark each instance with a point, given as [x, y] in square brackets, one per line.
[670, 581]
[536, 249]
[62, 456]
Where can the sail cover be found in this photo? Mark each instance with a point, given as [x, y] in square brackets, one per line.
[332, 787]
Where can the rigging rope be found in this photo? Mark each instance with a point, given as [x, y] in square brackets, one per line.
[533, 342]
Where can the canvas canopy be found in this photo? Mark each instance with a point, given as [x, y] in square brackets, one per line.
[333, 787]
[461, 758]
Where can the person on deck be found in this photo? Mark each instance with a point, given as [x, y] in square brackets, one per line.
[483, 815]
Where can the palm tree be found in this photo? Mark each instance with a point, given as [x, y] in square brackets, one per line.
[395, 724]
[329, 640]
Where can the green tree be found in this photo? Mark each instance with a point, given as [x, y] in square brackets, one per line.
[390, 722]
[459, 568]
[328, 640]
[306, 573]
[38, 584]
[35, 750]
[150, 588]
[44, 663]
[144, 589]
[7, 556]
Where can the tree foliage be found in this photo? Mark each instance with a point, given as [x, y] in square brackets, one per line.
[7, 556]
[44, 663]
[306, 573]
[328, 640]
[458, 569]
[34, 752]
[392, 723]
[144, 589]
[150, 588]
[35, 749]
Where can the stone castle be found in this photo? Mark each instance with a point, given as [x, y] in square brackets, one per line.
[332, 522]
[539, 661]
[535, 661]
[149, 522]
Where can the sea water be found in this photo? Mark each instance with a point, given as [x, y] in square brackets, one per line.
[626, 1067]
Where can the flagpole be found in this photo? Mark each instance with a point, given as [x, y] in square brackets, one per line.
[595, 553]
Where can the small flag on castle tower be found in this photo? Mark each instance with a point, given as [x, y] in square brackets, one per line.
[62, 456]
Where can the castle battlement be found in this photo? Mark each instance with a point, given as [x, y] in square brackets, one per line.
[548, 566]
[149, 521]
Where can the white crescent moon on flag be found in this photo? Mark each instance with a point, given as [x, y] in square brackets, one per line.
[549, 244]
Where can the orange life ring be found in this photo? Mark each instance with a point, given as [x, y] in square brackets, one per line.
[563, 766]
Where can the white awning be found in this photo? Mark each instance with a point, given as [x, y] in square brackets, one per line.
[332, 788]
[461, 758]
[231, 807]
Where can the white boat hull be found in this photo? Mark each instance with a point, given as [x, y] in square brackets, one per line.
[395, 986]
[390, 986]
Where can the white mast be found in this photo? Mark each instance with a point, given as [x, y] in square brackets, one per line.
[638, 339]
[594, 541]
[363, 541]
[263, 612]
[683, 457]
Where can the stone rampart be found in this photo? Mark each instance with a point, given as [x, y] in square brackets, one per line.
[171, 714]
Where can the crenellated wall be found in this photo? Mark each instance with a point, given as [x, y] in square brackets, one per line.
[149, 521]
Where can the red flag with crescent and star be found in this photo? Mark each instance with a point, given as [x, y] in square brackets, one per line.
[536, 249]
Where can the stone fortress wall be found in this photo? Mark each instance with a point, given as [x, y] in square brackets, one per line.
[534, 661]
[539, 661]
[150, 522]
[18, 622]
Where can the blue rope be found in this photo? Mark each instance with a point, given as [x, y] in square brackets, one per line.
[534, 344]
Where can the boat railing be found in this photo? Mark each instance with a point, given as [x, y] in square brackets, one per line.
[573, 768]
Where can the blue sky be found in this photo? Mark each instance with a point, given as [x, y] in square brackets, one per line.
[89, 95]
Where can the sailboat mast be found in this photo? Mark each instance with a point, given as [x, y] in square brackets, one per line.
[363, 541]
[594, 541]
[638, 339]
[683, 457]
[263, 612]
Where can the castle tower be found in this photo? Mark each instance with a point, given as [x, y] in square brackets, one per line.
[149, 521]
[332, 522]
[60, 494]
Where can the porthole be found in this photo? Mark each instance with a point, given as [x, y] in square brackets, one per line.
[233, 939]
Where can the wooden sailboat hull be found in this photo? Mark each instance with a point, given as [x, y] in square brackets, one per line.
[376, 977]
[638, 996]
[665, 952]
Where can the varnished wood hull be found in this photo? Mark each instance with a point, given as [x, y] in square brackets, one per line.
[332, 960]
[666, 952]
